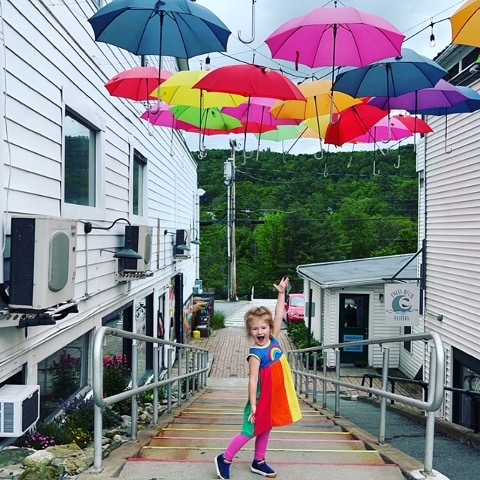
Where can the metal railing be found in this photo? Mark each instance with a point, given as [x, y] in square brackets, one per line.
[191, 371]
[300, 362]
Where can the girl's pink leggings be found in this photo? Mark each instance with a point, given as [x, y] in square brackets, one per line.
[237, 443]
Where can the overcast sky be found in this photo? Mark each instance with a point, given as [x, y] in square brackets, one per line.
[409, 16]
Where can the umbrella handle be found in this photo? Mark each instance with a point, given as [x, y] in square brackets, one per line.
[397, 165]
[376, 172]
[325, 171]
[202, 151]
[321, 150]
[252, 38]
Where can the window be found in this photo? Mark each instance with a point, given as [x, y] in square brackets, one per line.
[62, 374]
[139, 164]
[80, 161]
[407, 345]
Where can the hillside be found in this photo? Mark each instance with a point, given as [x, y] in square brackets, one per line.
[295, 209]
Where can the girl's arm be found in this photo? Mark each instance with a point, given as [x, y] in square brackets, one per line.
[253, 372]
[280, 307]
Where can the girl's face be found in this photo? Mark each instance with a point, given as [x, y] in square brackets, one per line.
[260, 331]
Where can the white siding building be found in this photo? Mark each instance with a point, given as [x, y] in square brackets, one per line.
[449, 164]
[72, 152]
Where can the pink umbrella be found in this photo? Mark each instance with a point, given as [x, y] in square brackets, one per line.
[341, 36]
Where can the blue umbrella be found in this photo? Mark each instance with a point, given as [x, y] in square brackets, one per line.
[390, 77]
[177, 28]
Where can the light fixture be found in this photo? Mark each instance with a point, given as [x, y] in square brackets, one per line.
[381, 297]
[195, 240]
[181, 241]
[124, 253]
[432, 37]
[207, 64]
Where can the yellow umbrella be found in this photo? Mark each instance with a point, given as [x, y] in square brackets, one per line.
[179, 91]
[466, 24]
[320, 101]
[318, 124]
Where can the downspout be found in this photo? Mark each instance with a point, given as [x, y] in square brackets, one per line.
[3, 151]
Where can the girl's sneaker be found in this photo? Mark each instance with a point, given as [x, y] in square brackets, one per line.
[222, 466]
[261, 467]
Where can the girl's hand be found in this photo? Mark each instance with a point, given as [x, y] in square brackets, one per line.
[251, 417]
[282, 285]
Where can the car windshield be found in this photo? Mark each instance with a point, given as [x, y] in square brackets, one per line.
[297, 302]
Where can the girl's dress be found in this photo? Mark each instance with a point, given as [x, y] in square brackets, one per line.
[277, 402]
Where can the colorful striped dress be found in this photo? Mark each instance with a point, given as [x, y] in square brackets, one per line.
[277, 402]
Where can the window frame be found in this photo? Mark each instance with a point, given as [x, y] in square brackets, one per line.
[139, 190]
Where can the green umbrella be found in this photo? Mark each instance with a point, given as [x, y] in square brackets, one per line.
[287, 132]
[205, 119]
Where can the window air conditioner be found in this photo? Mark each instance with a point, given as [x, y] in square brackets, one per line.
[43, 262]
[19, 409]
[138, 238]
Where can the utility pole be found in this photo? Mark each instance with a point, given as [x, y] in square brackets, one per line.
[229, 174]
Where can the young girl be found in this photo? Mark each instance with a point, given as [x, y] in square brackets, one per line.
[272, 401]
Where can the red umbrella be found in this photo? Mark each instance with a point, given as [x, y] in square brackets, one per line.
[353, 122]
[137, 83]
[250, 81]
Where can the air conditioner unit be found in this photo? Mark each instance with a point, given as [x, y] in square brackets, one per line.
[138, 238]
[19, 409]
[42, 262]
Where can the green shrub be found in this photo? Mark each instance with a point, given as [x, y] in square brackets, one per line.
[218, 320]
[299, 334]
[43, 472]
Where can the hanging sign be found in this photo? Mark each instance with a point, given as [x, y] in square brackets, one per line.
[401, 304]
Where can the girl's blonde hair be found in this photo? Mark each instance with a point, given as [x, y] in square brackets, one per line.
[257, 313]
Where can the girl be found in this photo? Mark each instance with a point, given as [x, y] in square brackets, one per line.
[272, 401]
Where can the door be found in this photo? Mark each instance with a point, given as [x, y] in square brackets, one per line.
[353, 325]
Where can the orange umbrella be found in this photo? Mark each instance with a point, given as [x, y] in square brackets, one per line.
[320, 101]
[466, 24]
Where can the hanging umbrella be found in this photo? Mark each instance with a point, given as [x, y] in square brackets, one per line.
[470, 104]
[176, 28]
[288, 132]
[396, 128]
[210, 118]
[335, 36]
[178, 90]
[443, 94]
[465, 24]
[254, 113]
[250, 81]
[136, 83]
[391, 77]
[162, 117]
[319, 101]
[350, 124]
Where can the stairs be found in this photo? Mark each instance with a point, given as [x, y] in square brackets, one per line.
[313, 448]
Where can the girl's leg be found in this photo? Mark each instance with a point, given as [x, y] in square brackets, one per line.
[261, 444]
[235, 446]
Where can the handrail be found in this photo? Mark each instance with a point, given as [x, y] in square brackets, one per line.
[435, 398]
[194, 360]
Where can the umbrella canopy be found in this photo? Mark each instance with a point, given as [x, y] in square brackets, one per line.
[136, 83]
[391, 77]
[250, 81]
[393, 129]
[210, 118]
[288, 132]
[335, 36]
[162, 117]
[465, 24]
[320, 100]
[469, 105]
[178, 90]
[177, 28]
[249, 113]
[351, 123]
[443, 94]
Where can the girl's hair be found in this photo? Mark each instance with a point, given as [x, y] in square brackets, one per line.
[257, 313]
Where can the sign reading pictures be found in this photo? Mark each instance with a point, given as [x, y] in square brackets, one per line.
[401, 304]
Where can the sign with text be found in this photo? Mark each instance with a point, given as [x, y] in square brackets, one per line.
[401, 304]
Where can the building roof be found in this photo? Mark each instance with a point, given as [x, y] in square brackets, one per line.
[365, 271]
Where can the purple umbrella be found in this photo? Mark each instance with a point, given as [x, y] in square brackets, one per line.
[443, 94]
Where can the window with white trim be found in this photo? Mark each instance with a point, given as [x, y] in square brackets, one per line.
[138, 183]
[80, 161]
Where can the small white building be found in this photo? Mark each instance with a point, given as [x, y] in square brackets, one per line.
[349, 305]
[83, 176]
